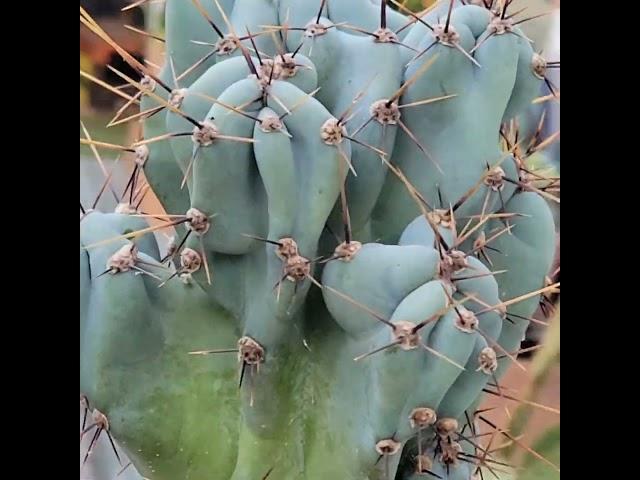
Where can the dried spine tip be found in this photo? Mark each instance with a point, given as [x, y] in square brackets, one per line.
[190, 260]
[125, 209]
[384, 35]
[539, 66]
[346, 251]
[100, 419]
[494, 179]
[441, 218]
[450, 452]
[148, 83]
[405, 334]
[123, 260]
[422, 417]
[250, 351]
[198, 222]
[314, 30]
[176, 97]
[205, 134]
[488, 361]
[499, 25]
[466, 321]
[141, 155]
[388, 447]
[446, 426]
[424, 464]
[385, 112]
[446, 37]
[332, 132]
[287, 248]
[270, 124]
[226, 46]
[297, 268]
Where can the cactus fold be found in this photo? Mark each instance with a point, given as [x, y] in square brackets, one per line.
[354, 240]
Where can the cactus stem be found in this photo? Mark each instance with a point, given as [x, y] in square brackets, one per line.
[374, 314]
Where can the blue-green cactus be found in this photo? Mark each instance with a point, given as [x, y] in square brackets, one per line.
[357, 253]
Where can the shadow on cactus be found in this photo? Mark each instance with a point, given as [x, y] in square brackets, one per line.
[358, 251]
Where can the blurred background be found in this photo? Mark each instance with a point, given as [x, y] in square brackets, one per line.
[533, 420]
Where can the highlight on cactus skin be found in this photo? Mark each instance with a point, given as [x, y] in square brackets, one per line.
[360, 242]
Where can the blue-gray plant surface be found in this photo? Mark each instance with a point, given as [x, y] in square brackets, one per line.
[359, 246]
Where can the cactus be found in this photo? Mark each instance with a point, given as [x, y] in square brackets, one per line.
[357, 255]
